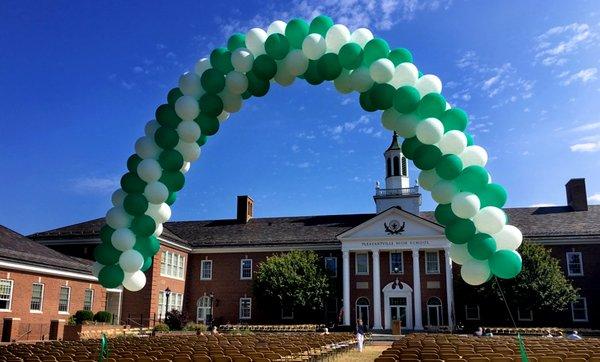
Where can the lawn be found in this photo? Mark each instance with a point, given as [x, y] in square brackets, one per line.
[369, 353]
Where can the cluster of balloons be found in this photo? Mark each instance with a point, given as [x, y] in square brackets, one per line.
[387, 80]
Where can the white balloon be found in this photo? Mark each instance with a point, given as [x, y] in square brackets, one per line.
[158, 231]
[490, 220]
[443, 191]
[314, 46]
[465, 205]
[189, 131]
[283, 77]
[202, 65]
[134, 281]
[156, 192]
[296, 62]
[430, 131]
[236, 82]
[187, 108]
[222, 117]
[277, 27]
[509, 238]
[453, 142]
[185, 168]
[145, 147]
[255, 41]
[361, 36]
[242, 60]
[231, 102]
[404, 124]
[118, 197]
[459, 253]
[151, 128]
[122, 239]
[429, 83]
[474, 156]
[96, 267]
[131, 261]
[361, 79]
[337, 36]
[448, 106]
[405, 74]
[382, 70]
[160, 213]
[149, 170]
[343, 83]
[117, 218]
[189, 150]
[428, 179]
[189, 84]
[475, 272]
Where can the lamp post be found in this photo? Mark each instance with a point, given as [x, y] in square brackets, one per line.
[167, 295]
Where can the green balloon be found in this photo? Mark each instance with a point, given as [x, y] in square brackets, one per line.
[247, 93]
[470, 141]
[147, 264]
[170, 160]
[211, 104]
[106, 254]
[410, 146]
[472, 179]
[406, 99]
[277, 46]
[449, 167]
[132, 183]
[312, 75]
[427, 157]
[203, 138]
[492, 195]
[111, 276]
[382, 95]
[454, 119]
[135, 204]
[257, 87]
[320, 25]
[400, 55]
[329, 66]
[220, 59]
[132, 163]
[481, 246]
[365, 101]
[213, 81]
[506, 264]
[264, 67]
[376, 48]
[236, 41]
[171, 199]
[143, 225]
[173, 96]
[166, 137]
[460, 231]
[209, 125]
[444, 215]
[432, 105]
[106, 233]
[351, 56]
[174, 180]
[147, 246]
[296, 30]
[166, 116]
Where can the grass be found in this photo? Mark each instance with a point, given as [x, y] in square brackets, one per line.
[369, 353]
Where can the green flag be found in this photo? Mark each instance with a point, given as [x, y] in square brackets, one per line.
[103, 348]
[522, 348]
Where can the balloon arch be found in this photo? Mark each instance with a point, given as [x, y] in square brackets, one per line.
[434, 133]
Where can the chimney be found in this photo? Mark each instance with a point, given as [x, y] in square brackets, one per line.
[576, 194]
[245, 208]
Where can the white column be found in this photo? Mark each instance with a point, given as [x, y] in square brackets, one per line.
[346, 285]
[376, 292]
[449, 287]
[417, 290]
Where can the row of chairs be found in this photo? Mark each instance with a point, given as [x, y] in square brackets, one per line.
[272, 327]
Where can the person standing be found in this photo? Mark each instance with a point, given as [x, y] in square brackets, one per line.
[360, 334]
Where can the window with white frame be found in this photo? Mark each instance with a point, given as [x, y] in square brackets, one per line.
[396, 262]
[246, 269]
[204, 308]
[574, 264]
[64, 298]
[175, 302]
[245, 308]
[524, 314]
[579, 310]
[88, 299]
[432, 262]
[37, 296]
[331, 266]
[171, 264]
[6, 288]
[472, 312]
[362, 264]
[206, 269]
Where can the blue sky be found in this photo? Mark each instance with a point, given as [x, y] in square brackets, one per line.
[78, 81]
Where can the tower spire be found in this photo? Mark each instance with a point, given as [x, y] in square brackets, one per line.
[394, 145]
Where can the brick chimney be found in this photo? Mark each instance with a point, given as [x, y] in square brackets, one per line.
[576, 194]
[245, 208]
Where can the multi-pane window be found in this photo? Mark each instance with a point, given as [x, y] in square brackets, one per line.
[204, 309]
[63, 299]
[175, 302]
[396, 262]
[524, 314]
[432, 262]
[362, 264]
[287, 312]
[245, 308]
[331, 266]
[574, 263]
[6, 287]
[579, 310]
[246, 269]
[88, 299]
[206, 269]
[37, 295]
[171, 264]
[472, 312]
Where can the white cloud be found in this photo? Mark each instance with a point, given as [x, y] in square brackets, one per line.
[542, 205]
[586, 147]
[587, 127]
[95, 184]
[558, 42]
[594, 199]
[584, 75]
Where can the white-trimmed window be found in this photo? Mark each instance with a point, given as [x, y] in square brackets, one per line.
[524, 314]
[88, 299]
[6, 288]
[246, 269]
[171, 264]
[206, 269]
[37, 297]
[287, 312]
[175, 302]
[361, 264]
[245, 308]
[204, 309]
[64, 297]
[396, 262]
[432, 262]
[331, 266]
[472, 312]
[574, 264]
[579, 310]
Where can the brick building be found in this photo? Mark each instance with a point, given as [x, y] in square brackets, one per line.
[387, 265]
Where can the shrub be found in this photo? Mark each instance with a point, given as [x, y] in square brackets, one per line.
[103, 317]
[198, 327]
[71, 321]
[83, 316]
[175, 320]
[161, 328]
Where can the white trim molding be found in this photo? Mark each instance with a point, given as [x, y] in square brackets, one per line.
[48, 271]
